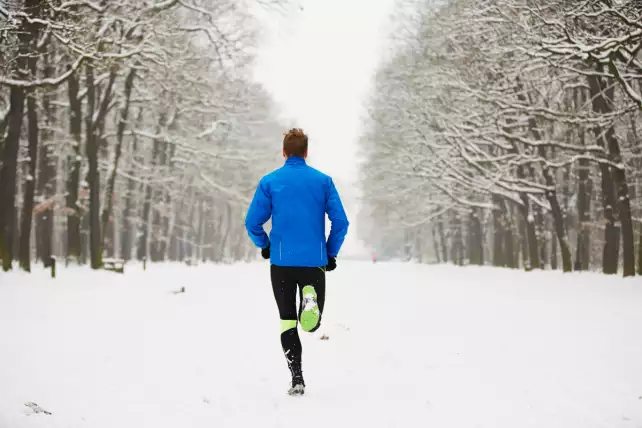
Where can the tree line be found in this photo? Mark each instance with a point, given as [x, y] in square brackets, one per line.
[129, 129]
[507, 132]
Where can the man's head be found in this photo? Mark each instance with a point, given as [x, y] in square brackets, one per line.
[295, 143]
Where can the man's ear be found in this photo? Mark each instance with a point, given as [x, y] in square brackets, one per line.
[284, 155]
[305, 156]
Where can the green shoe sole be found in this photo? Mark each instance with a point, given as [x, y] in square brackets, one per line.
[310, 313]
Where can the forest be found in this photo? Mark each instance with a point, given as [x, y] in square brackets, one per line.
[130, 129]
[508, 132]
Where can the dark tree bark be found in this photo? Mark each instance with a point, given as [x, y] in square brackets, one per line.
[30, 187]
[173, 251]
[128, 213]
[457, 250]
[540, 229]
[530, 236]
[623, 201]
[189, 237]
[94, 132]
[8, 178]
[201, 224]
[165, 233]
[601, 96]
[120, 133]
[527, 226]
[640, 252]
[475, 239]
[74, 212]
[511, 251]
[435, 243]
[499, 259]
[444, 243]
[144, 223]
[147, 204]
[584, 191]
[637, 167]
[551, 197]
[554, 254]
[158, 212]
[3, 128]
[46, 188]
[9, 169]
[93, 176]
[560, 231]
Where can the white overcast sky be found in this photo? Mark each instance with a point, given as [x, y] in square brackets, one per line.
[318, 63]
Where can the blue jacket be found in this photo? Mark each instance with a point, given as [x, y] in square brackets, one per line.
[297, 197]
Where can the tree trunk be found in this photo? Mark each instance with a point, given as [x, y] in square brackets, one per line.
[444, 243]
[181, 245]
[624, 205]
[540, 231]
[8, 177]
[147, 204]
[30, 188]
[621, 187]
[46, 177]
[167, 203]
[128, 213]
[33, 137]
[554, 254]
[475, 239]
[111, 181]
[530, 237]
[27, 34]
[144, 223]
[499, 258]
[583, 250]
[93, 176]
[157, 210]
[226, 228]
[511, 249]
[640, 252]
[435, 243]
[173, 250]
[74, 212]
[560, 231]
[199, 234]
[10, 158]
[457, 249]
[611, 233]
[3, 128]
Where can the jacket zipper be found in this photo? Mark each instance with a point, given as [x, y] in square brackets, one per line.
[280, 250]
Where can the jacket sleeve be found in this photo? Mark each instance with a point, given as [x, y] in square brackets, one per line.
[258, 214]
[338, 219]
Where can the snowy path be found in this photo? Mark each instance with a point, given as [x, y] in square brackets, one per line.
[409, 346]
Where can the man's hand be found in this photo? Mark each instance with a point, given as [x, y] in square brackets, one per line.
[265, 252]
[332, 264]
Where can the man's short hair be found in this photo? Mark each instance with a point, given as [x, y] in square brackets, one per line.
[295, 143]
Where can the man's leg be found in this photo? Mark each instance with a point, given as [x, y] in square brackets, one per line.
[284, 288]
[311, 283]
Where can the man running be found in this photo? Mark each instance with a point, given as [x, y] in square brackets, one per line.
[297, 197]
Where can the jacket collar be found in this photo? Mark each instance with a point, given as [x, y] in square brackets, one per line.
[295, 160]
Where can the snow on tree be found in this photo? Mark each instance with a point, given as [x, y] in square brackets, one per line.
[490, 118]
[145, 133]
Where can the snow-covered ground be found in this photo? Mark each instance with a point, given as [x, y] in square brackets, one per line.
[409, 346]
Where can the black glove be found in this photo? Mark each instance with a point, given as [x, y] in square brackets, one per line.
[265, 252]
[332, 264]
